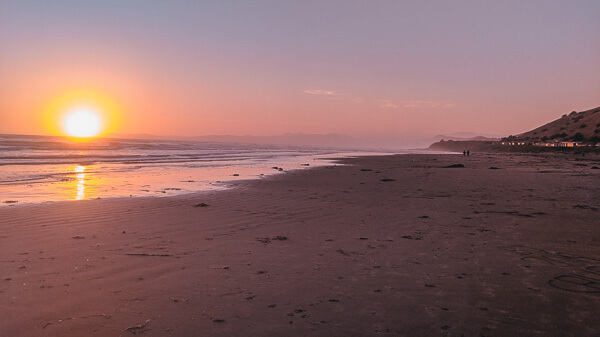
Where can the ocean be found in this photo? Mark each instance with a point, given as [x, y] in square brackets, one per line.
[37, 169]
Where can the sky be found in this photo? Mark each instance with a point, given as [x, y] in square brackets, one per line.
[387, 69]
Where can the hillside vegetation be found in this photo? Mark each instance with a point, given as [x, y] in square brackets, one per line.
[581, 126]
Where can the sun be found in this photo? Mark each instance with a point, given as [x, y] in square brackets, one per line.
[81, 114]
[82, 123]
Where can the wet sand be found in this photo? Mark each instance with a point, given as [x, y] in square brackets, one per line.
[396, 245]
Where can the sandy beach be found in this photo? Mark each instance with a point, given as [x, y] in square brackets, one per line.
[508, 245]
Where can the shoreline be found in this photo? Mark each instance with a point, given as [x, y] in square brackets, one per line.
[86, 183]
[248, 173]
[390, 245]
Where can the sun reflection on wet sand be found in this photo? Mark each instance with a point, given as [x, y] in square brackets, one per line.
[80, 182]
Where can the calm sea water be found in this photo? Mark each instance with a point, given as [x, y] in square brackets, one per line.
[41, 168]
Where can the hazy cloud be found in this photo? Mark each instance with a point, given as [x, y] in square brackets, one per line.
[387, 104]
[384, 103]
[427, 104]
[322, 92]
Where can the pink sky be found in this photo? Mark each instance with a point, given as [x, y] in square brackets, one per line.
[368, 69]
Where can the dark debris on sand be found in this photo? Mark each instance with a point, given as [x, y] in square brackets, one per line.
[276, 238]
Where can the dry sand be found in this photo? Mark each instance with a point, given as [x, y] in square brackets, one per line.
[395, 245]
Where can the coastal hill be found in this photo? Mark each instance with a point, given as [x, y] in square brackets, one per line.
[581, 126]
[576, 126]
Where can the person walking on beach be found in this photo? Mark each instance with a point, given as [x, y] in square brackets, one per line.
[468, 153]
[464, 153]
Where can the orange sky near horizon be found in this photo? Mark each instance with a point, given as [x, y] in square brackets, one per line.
[381, 69]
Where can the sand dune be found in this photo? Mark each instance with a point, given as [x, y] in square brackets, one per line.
[395, 245]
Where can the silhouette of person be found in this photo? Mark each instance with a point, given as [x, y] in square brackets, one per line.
[464, 153]
[468, 153]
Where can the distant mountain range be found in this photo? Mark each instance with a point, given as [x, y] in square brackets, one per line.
[467, 136]
[581, 126]
[302, 139]
[298, 139]
[332, 140]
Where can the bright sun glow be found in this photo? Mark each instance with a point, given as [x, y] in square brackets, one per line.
[81, 113]
[82, 123]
